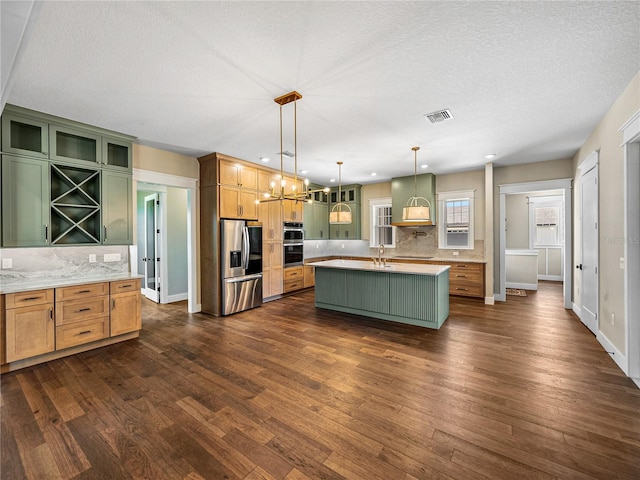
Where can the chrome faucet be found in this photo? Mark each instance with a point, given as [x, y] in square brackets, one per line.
[380, 253]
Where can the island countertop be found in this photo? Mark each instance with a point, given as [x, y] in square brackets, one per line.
[406, 268]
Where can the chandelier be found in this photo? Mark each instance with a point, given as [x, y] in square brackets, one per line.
[417, 208]
[278, 192]
[341, 212]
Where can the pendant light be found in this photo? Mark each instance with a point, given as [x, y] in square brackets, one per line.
[277, 192]
[417, 208]
[341, 212]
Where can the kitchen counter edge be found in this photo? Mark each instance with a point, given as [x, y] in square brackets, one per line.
[28, 285]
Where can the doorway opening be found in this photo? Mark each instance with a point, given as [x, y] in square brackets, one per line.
[524, 262]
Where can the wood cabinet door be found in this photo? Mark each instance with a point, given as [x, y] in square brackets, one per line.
[125, 313]
[276, 281]
[248, 204]
[25, 202]
[117, 209]
[30, 331]
[236, 174]
[293, 211]
[229, 202]
[275, 221]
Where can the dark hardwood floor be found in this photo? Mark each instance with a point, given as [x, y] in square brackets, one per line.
[520, 390]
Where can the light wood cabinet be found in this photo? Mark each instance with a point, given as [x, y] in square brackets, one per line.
[42, 325]
[238, 203]
[466, 279]
[293, 279]
[309, 276]
[237, 174]
[270, 215]
[29, 328]
[293, 211]
[125, 307]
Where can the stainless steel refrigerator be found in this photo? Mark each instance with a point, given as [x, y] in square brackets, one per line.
[241, 265]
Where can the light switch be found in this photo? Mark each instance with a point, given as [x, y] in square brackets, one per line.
[7, 263]
[92, 258]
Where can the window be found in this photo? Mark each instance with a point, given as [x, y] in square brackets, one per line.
[455, 229]
[382, 232]
[545, 216]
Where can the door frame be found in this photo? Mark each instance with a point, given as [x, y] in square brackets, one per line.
[157, 225]
[190, 184]
[631, 144]
[564, 184]
[587, 165]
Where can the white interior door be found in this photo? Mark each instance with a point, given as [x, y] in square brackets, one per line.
[589, 264]
[151, 281]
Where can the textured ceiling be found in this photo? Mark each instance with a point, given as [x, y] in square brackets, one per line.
[527, 81]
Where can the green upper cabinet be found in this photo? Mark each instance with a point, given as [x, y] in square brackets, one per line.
[117, 208]
[402, 189]
[116, 154]
[25, 136]
[76, 146]
[316, 215]
[25, 204]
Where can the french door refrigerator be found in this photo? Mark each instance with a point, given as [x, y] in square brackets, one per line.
[241, 265]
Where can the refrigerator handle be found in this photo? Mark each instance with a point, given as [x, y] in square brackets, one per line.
[245, 247]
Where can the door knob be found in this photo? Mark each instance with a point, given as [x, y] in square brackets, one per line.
[579, 267]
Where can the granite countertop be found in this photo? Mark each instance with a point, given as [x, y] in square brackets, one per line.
[28, 284]
[396, 267]
[398, 258]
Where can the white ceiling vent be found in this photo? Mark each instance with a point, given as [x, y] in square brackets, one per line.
[286, 153]
[439, 116]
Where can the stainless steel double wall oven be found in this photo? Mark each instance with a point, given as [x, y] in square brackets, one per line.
[293, 244]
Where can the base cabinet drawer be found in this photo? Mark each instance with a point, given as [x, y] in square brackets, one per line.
[293, 284]
[82, 291]
[81, 332]
[73, 311]
[466, 290]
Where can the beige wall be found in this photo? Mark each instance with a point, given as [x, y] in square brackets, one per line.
[369, 192]
[155, 160]
[607, 139]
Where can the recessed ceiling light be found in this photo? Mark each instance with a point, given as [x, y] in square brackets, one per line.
[490, 156]
[304, 171]
[373, 174]
[424, 166]
[332, 180]
[265, 159]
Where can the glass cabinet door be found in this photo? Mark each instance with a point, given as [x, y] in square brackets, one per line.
[116, 154]
[24, 136]
[75, 146]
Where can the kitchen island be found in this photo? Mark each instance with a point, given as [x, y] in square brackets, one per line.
[416, 294]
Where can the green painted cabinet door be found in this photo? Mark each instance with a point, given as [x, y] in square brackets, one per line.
[25, 202]
[316, 221]
[117, 209]
[25, 136]
[75, 146]
[117, 154]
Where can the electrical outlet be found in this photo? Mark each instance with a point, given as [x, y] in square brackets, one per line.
[613, 319]
[7, 263]
[111, 257]
[92, 258]
[343, 245]
[621, 263]
[455, 254]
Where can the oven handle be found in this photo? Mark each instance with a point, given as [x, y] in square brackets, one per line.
[300, 244]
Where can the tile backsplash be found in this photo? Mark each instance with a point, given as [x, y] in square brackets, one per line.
[62, 262]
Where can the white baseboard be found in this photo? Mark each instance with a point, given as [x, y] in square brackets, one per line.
[523, 286]
[617, 356]
[197, 308]
[576, 309]
[500, 297]
[178, 297]
[636, 381]
[489, 300]
[551, 278]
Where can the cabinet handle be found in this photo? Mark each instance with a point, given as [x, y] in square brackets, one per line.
[84, 332]
[105, 232]
[461, 266]
[51, 314]
[125, 286]
[46, 233]
[28, 299]
[461, 276]
[463, 289]
[83, 291]
[113, 303]
[82, 310]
